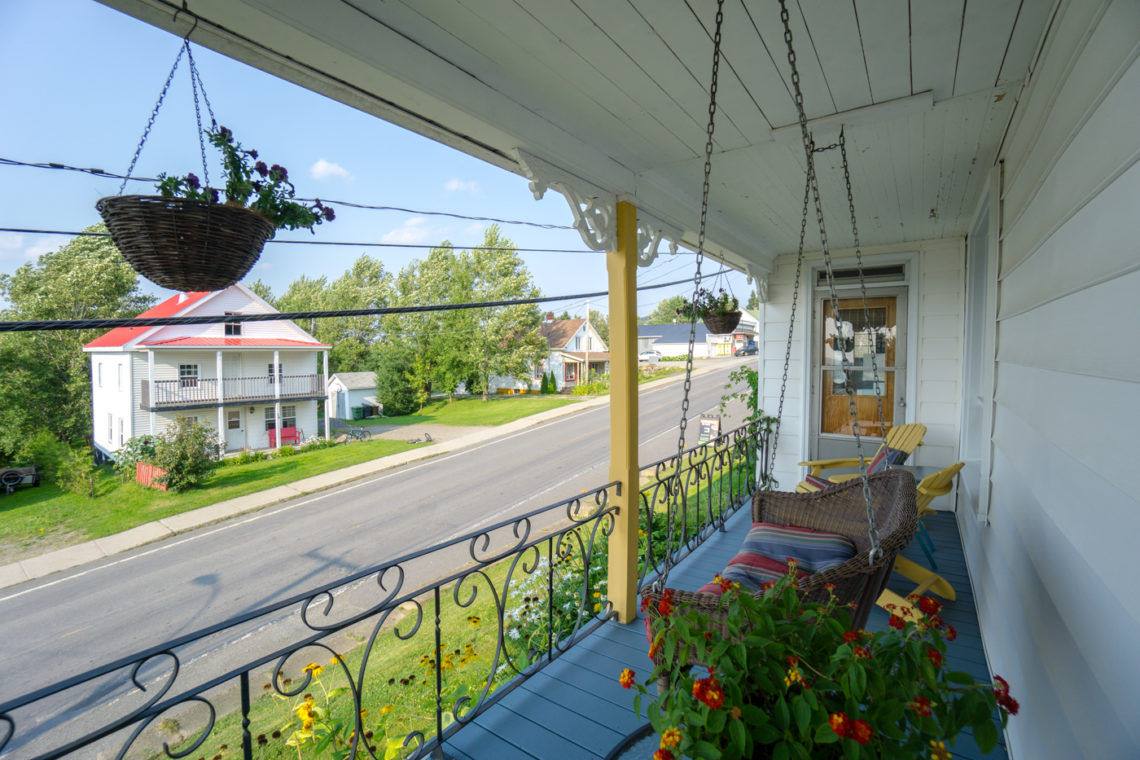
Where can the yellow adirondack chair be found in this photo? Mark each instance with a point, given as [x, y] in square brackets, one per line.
[929, 488]
[905, 438]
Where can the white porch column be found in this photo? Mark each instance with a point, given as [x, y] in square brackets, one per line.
[150, 386]
[221, 401]
[325, 358]
[277, 397]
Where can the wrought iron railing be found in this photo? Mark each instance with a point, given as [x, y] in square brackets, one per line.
[203, 391]
[384, 663]
[686, 497]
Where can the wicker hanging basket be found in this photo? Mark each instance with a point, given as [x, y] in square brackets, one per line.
[184, 244]
[719, 324]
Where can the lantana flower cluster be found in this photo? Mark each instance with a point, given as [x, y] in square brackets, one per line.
[786, 677]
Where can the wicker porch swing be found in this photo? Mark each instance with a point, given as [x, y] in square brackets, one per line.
[875, 513]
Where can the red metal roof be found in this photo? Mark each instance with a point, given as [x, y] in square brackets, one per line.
[120, 336]
[238, 342]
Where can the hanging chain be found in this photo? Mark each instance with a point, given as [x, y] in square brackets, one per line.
[197, 78]
[198, 114]
[150, 121]
[675, 489]
[791, 331]
[813, 183]
[872, 333]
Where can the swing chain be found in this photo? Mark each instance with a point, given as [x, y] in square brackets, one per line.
[150, 121]
[833, 297]
[674, 492]
[872, 333]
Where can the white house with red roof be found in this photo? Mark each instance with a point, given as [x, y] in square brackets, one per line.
[243, 378]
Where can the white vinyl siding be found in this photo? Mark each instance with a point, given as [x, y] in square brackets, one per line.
[1056, 595]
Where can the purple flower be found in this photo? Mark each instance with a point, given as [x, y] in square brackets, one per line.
[213, 194]
[329, 213]
[192, 181]
[226, 134]
[253, 154]
[277, 172]
[257, 186]
[261, 168]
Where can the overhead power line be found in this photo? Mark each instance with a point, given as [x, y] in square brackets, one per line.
[91, 324]
[348, 204]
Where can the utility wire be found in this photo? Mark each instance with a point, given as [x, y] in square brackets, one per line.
[89, 324]
[348, 204]
[327, 242]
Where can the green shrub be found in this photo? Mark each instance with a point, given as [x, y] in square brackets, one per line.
[553, 382]
[188, 452]
[317, 444]
[46, 453]
[77, 472]
[285, 451]
[138, 449]
[248, 456]
[394, 391]
[544, 386]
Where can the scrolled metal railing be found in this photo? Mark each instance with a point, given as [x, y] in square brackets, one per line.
[388, 662]
[686, 497]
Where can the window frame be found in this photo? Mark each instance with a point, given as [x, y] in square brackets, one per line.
[232, 329]
[188, 375]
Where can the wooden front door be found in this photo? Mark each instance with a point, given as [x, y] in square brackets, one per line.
[848, 337]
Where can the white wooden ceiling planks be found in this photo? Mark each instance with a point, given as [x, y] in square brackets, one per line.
[884, 29]
[985, 36]
[935, 29]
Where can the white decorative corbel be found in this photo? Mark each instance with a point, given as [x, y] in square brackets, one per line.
[593, 208]
[650, 232]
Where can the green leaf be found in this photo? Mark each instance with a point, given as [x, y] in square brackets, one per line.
[715, 723]
[851, 749]
[782, 715]
[694, 718]
[704, 749]
[986, 735]
[766, 734]
[737, 735]
[824, 734]
[637, 705]
[957, 676]
[781, 752]
[802, 712]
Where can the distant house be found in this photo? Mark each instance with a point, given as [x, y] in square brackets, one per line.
[673, 339]
[352, 389]
[574, 343]
[242, 378]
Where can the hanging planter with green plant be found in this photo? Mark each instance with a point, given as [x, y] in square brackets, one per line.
[719, 311]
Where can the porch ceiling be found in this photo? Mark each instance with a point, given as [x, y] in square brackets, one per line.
[614, 93]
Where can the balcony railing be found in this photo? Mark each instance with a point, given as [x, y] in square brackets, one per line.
[191, 392]
[393, 660]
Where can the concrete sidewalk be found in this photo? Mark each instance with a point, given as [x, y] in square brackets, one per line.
[91, 551]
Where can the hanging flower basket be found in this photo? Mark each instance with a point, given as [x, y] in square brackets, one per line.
[719, 324]
[185, 244]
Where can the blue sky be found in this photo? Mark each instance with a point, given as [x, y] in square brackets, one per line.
[81, 80]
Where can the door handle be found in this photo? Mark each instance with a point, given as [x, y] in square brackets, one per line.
[902, 402]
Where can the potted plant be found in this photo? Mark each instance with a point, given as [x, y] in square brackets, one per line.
[719, 311]
[192, 237]
[789, 679]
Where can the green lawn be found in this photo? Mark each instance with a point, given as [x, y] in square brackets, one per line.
[33, 515]
[496, 410]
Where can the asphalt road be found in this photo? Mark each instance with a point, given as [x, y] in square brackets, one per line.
[55, 627]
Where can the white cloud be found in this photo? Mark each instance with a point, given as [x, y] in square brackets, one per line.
[323, 169]
[456, 185]
[17, 248]
[475, 229]
[413, 231]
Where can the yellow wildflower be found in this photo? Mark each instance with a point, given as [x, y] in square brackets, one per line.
[386, 709]
[671, 738]
[792, 677]
[940, 752]
[314, 669]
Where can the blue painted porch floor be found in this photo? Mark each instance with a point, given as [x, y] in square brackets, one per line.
[575, 708]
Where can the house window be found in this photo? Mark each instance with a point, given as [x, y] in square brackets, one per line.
[288, 417]
[110, 430]
[188, 375]
[571, 373]
[578, 343]
[121, 437]
[99, 373]
[272, 377]
[118, 377]
[232, 328]
[233, 420]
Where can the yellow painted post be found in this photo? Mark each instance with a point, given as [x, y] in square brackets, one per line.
[622, 268]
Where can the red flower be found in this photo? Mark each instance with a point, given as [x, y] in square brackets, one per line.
[864, 652]
[644, 602]
[766, 585]
[862, 731]
[840, 724]
[850, 636]
[707, 690]
[663, 754]
[665, 606]
[921, 705]
[935, 657]
[1002, 687]
[951, 634]
[829, 587]
[896, 622]
[929, 605]
[1004, 700]
[654, 648]
[626, 678]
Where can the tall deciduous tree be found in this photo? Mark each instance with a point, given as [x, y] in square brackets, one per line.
[753, 301]
[601, 323]
[665, 313]
[45, 378]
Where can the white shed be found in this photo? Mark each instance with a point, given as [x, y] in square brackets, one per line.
[351, 389]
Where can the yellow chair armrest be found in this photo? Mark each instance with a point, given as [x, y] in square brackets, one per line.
[819, 465]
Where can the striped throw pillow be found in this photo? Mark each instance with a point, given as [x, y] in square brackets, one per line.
[768, 547]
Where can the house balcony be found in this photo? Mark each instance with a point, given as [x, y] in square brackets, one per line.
[515, 654]
[198, 393]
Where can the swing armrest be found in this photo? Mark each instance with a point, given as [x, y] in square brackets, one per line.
[819, 465]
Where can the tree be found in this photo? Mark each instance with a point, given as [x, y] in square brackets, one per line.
[753, 301]
[187, 452]
[364, 286]
[46, 378]
[601, 323]
[262, 290]
[392, 362]
[665, 313]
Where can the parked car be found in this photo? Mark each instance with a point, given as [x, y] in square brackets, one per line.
[748, 350]
[652, 357]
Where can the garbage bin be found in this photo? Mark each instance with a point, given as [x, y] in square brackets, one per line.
[357, 412]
